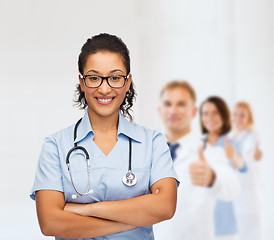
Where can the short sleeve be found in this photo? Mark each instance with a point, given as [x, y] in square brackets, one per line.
[162, 165]
[48, 173]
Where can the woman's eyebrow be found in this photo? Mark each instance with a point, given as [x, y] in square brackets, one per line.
[112, 71]
[92, 71]
[115, 70]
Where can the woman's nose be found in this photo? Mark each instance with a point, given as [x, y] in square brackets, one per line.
[104, 88]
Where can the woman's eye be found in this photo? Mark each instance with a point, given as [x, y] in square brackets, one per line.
[115, 78]
[93, 78]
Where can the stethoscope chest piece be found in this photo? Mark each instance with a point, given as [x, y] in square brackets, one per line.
[129, 179]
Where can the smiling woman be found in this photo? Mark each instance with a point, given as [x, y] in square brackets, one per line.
[101, 44]
[103, 92]
[104, 175]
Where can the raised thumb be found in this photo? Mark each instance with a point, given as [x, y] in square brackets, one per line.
[227, 141]
[201, 154]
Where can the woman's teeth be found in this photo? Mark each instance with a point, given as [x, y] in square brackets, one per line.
[104, 100]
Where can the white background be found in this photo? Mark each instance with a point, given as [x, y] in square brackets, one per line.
[222, 47]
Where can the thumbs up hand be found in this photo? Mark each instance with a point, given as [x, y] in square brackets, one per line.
[236, 159]
[229, 150]
[200, 172]
[257, 153]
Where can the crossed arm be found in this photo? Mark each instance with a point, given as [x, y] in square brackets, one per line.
[56, 218]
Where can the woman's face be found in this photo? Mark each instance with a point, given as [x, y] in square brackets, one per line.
[240, 118]
[104, 101]
[211, 118]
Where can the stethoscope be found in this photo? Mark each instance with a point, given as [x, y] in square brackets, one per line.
[129, 179]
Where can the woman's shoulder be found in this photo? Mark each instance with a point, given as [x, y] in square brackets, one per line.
[61, 133]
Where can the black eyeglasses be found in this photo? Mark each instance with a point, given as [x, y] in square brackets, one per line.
[95, 81]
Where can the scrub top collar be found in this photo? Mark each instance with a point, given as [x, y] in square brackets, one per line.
[124, 127]
[128, 129]
[221, 140]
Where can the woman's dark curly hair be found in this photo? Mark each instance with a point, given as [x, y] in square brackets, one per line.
[105, 43]
[223, 110]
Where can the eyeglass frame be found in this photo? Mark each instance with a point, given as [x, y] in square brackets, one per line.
[105, 78]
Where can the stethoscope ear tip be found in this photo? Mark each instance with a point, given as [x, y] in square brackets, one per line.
[90, 191]
[73, 196]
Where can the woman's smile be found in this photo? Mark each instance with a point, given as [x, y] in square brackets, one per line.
[104, 100]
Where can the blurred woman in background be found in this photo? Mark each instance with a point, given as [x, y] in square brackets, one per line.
[215, 125]
[247, 206]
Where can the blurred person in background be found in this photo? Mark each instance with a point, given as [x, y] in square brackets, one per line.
[204, 175]
[215, 124]
[247, 206]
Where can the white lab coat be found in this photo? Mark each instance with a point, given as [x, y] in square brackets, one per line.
[248, 204]
[193, 219]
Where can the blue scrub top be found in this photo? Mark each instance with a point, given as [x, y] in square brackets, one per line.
[151, 161]
[224, 216]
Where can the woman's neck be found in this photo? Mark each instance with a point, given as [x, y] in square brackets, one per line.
[103, 124]
[238, 131]
[212, 137]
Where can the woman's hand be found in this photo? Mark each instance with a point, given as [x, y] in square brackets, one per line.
[257, 153]
[236, 159]
[229, 149]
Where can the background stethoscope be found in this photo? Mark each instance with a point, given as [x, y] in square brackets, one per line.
[129, 179]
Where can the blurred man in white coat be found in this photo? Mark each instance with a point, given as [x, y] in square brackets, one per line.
[204, 173]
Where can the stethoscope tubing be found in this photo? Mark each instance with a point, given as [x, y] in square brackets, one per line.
[129, 179]
[88, 170]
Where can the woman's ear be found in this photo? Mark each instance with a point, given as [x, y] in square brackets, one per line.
[81, 82]
[129, 80]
